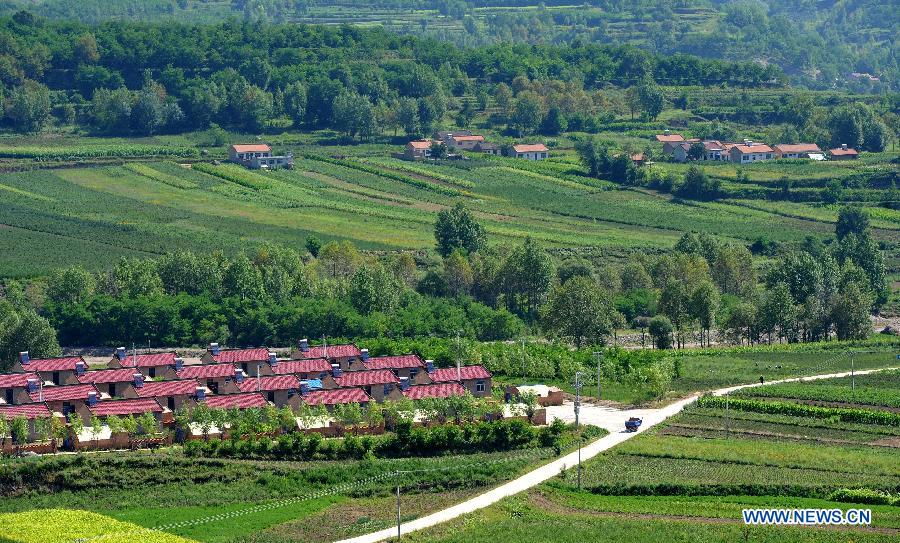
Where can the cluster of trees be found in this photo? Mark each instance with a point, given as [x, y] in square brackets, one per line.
[855, 124]
[143, 78]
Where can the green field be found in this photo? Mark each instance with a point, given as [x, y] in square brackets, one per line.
[94, 215]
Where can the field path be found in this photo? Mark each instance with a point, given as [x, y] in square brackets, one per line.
[606, 417]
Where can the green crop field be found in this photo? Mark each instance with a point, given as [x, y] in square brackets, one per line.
[94, 215]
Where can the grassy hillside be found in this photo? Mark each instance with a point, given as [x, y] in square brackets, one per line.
[93, 215]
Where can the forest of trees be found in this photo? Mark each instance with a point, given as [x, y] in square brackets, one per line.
[141, 78]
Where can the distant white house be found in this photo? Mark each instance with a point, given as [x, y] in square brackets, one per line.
[799, 150]
[748, 152]
[258, 156]
[529, 151]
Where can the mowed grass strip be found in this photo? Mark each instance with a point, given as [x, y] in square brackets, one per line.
[156, 175]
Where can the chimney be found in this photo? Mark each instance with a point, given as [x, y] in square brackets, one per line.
[79, 368]
[179, 363]
[273, 359]
[120, 353]
[429, 366]
[138, 380]
[364, 354]
[32, 385]
[844, 146]
[238, 375]
[304, 388]
[200, 393]
[92, 399]
[214, 349]
[24, 359]
[304, 345]
[404, 383]
[336, 370]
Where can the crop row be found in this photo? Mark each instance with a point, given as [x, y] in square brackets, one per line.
[168, 179]
[95, 151]
[803, 410]
[829, 393]
[390, 175]
[412, 168]
[235, 174]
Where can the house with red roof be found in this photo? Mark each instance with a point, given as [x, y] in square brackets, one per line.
[218, 378]
[796, 150]
[173, 395]
[30, 411]
[313, 368]
[248, 400]
[464, 141]
[843, 153]
[418, 149]
[280, 390]
[435, 390]
[749, 152]
[345, 355]
[125, 408]
[115, 383]
[529, 151]
[153, 365]
[475, 379]
[330, 398]
[409, 366]
[253, 360]
[14, 387]
[258, 156]
[377, 384]
[67, 399]
[61, 370]
[669, 141]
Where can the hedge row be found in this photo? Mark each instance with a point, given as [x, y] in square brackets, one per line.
[803, 410]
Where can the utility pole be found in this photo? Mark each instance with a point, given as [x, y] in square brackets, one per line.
[577, 420]
[258, 378]
[598, 356]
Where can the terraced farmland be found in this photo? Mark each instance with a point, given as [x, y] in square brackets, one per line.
[91, 215]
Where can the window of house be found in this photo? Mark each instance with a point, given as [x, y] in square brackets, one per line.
[112, 389]
[55, 378]
[413, 372]
[479, 386]
[170, 403]
[9, 396]
[213, 386]
[67, 408]
[271, 396]
[151, 372]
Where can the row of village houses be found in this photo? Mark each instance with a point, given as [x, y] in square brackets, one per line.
[465, 140]
[160, 383]
[747, 151]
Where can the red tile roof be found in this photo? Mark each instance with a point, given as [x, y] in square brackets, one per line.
[156, 389]
[206, 371]
[63, 393]
[755, 148]
[670, 138]
[438, 390]
[530, 148]
[312, 365]
[118, 375]
[251, 148]
[148, 360]
[125, 407]
[61, 363]
[240, 401]
[842, 152]
[332, 397]
[11, 380]
[333, 351]
[797, 148]
[473, 137]
[421, 144]
[242, 355]
[276, 382]
[28, 410]
[445, 375]
[395, 362]
[365, 378]
[713, 145]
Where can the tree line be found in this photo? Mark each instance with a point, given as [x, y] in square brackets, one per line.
[143, 78]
